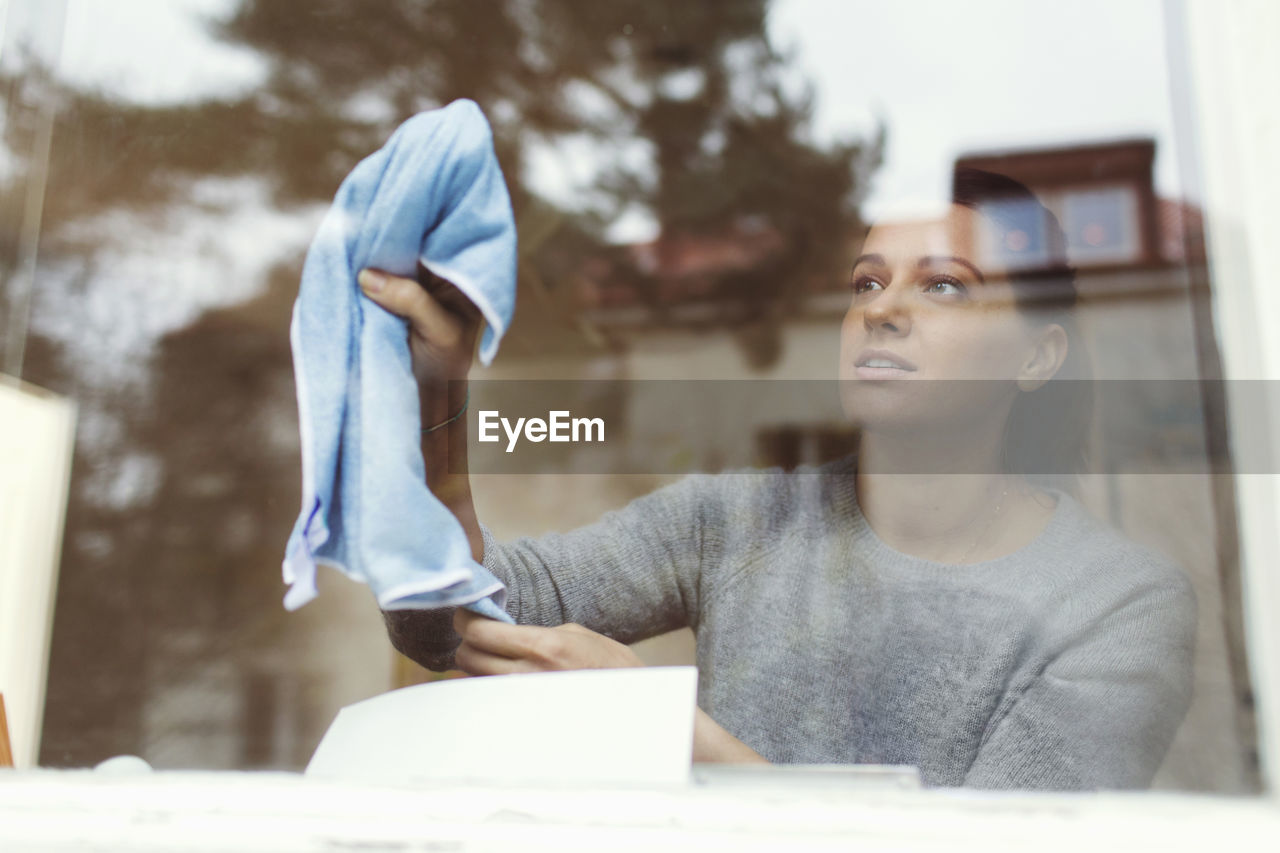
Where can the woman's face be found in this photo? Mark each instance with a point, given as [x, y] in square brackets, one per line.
[925, 306]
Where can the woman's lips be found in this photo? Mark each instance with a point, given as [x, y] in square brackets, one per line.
[868, 372]
[882, 364]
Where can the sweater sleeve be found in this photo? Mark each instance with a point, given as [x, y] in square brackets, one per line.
[1102, 713]
[633, 574]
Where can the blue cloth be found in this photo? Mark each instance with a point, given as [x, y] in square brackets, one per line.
[433, 193]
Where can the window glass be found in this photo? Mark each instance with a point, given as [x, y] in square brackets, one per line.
[895, 321]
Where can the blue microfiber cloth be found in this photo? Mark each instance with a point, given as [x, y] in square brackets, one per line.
[433, 193]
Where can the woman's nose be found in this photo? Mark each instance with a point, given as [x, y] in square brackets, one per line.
[888, 311]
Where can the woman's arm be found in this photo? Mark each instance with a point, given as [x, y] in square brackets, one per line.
[443, 328]
[631, 575]
[711, 743]
[1102, 713]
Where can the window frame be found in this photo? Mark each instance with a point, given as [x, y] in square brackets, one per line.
[1227, 120]
[1221, 53]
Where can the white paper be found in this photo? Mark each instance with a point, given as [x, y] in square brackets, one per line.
[621, 726]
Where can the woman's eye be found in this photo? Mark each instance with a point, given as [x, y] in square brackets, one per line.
[945, 287]
[863, 284]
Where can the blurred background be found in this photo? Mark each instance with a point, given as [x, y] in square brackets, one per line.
[689, 182]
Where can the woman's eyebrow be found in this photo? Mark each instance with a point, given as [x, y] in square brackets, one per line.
[868, 259]
[939, 260]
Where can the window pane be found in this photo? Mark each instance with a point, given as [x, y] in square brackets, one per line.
[896, 322]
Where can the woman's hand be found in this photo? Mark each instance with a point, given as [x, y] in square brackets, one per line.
[490, 647]
[443, 323]
[496, 648]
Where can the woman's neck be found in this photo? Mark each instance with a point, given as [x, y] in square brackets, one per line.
[951, 505]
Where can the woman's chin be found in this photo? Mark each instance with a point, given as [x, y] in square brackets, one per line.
[924, 417]
[872, 405]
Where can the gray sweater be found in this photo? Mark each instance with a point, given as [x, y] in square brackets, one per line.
[1065, 665]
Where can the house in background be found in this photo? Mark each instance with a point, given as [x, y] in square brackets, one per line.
[681, 308]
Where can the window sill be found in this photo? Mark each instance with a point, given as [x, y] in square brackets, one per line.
[73, 810]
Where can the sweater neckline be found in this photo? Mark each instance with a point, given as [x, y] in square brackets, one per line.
[844, 501]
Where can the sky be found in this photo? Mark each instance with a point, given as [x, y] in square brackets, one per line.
[956, 77]
[154, 51]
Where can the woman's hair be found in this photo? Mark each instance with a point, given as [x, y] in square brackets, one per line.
[1046, 434]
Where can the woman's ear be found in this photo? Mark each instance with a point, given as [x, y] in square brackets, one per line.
[1045, 359]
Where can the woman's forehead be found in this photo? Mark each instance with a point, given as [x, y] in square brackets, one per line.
[954, 233]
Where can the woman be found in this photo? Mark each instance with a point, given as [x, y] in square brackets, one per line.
[922, 603]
